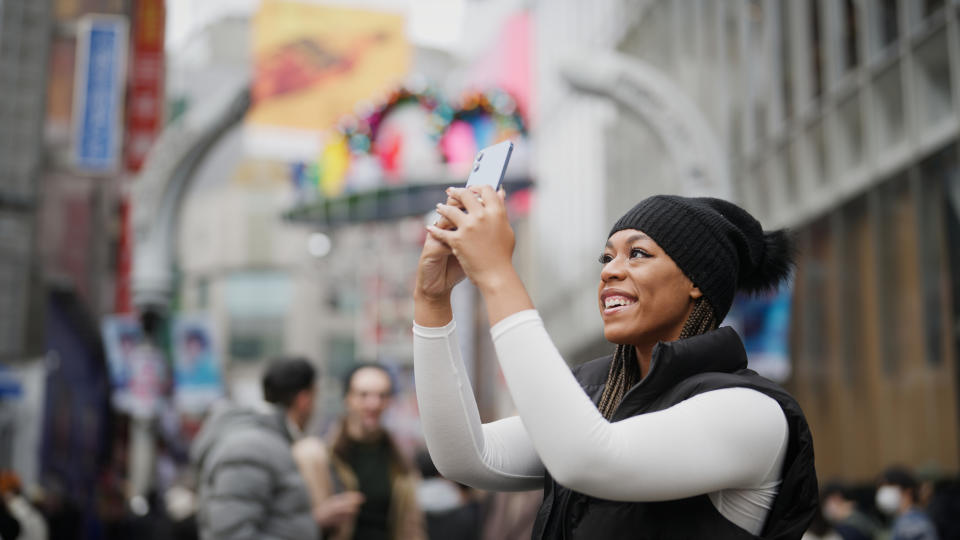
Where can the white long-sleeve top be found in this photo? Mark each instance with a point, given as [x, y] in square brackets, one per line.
[728, 444]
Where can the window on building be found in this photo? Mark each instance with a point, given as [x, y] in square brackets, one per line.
[952, 226]
[257, 304]
[758, 70]
[786, 64]
[855, 256]
[895, 235]
[791, 173]
[816, 57]
[888, 120]
[849, 146]
[820, 157]
[886, 24]
[817, 263]
[936, 172]
[759, 187]
[849, 34]
[933, 79]
[932, 6]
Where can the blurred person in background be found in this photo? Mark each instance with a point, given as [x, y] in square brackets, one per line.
[9, 526]
[944, 507]
[510, 515]
[363, 488]
[248, 483]
[33, 526]
[820, 529]
[840, 510]
[451, 509]
[332, 511]
[671, 436]
[898, 496]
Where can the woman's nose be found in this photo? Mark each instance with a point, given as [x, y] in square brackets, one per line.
[612, 270]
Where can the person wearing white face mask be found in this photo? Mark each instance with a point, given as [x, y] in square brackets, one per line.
[897, 497]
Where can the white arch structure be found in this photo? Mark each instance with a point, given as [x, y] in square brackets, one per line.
[157, 194]
[672, 116]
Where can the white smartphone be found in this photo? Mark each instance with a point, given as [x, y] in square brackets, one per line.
[490, 165]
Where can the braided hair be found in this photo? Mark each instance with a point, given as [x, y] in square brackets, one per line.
[625, 371]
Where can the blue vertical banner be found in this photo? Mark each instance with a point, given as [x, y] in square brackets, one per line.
[98, 92]
[763, 322]
[10, 387]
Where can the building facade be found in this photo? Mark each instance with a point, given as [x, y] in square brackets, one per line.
[838, 119]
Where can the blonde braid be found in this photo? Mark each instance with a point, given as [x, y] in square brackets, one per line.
[625, 371]
[622, 375]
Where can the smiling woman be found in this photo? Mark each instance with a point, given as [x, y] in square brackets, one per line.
[669, 437]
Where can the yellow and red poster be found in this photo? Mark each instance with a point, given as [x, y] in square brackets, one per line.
[314, 63]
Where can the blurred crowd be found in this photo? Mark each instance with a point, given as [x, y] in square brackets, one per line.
[256, 472]
[902, 505]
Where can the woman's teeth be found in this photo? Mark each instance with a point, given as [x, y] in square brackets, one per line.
[617, 301]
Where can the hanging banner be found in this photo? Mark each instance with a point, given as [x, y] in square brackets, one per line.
[315, 63]
[196, 365]
[98, 92]
[122, 335]
[145, 98]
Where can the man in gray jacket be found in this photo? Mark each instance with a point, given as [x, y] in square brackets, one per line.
[249, 486]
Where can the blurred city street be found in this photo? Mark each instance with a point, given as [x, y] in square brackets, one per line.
[190, 189]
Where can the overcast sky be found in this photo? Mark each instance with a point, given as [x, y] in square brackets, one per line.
[186, 16]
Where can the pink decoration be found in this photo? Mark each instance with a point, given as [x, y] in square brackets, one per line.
[458, 146]
[508, 64]
[388, 149]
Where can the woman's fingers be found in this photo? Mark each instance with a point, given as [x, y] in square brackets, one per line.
[453, 214]
[443, 222]
[468, 198]
[462, 202]
[491, 199]
[441, 235]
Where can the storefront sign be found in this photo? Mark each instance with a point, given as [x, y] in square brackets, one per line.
[98, 92]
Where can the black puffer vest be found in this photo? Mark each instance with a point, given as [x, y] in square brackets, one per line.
[680, 370]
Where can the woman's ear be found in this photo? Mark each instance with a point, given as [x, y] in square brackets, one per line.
[695, 293]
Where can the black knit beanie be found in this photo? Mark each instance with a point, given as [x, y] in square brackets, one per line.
[717, 244]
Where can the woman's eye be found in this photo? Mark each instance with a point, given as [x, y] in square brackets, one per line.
[637, 252]
[605, 258]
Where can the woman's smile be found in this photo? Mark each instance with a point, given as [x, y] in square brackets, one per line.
[614, 301]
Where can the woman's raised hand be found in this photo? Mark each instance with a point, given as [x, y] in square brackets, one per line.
[438, 270]
[482, 240]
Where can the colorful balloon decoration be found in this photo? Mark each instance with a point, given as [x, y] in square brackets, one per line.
[379, 148]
